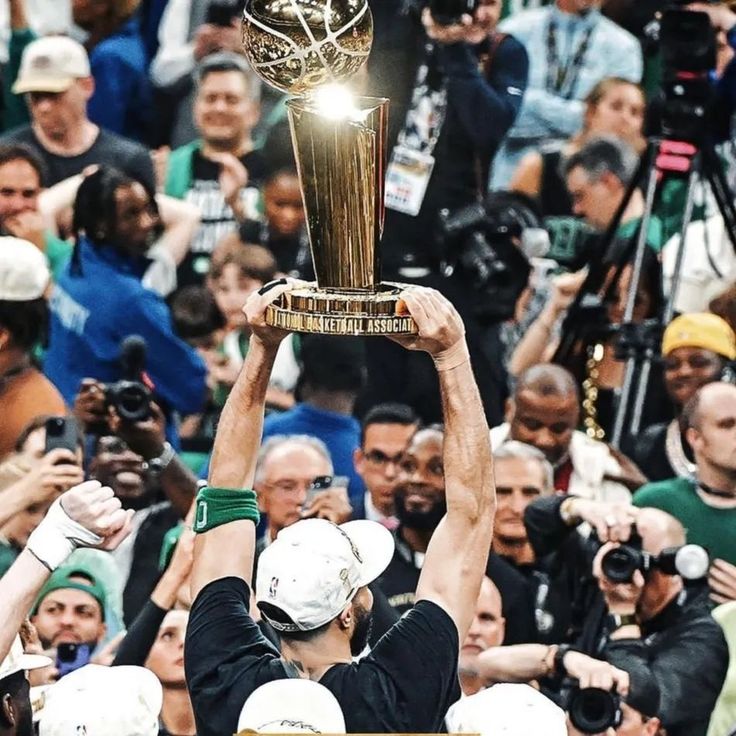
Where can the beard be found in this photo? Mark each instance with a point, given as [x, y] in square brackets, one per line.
[362, 631]
[422, 521]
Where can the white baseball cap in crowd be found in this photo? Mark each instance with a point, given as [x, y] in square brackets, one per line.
[51, 64]
[314, 568]
[24, 274]
[18, 661]
[103, 701]
[292, 706]
[507, 710]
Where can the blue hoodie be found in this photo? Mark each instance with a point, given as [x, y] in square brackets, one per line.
[95, 308]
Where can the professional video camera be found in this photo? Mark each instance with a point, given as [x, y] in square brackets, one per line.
[491, 243]
[130, 397]
[690, 561]
[687, 44]
[593, 710]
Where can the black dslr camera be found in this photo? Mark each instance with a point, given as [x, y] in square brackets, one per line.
[447, 12]
[690, 561]
[130, 397]
[593, 710]
[489, 243]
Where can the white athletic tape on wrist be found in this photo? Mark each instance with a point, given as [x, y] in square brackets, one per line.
[58, 535]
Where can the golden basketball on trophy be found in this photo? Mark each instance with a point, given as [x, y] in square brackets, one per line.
[306, 48]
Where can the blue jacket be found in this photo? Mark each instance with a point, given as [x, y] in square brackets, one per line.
[94, 310]
[122, 99]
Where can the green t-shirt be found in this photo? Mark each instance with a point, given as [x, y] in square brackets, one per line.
[58, 253]
[712, 528]
[655, 235]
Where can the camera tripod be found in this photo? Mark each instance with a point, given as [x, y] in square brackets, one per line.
[639, 343]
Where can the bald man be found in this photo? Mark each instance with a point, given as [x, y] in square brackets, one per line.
[544, 411]
[652, 631]
[706, 506]
[660, 630]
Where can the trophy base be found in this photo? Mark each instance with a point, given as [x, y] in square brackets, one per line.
[341, 312]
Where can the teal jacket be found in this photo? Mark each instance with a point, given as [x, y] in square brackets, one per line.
[179, 169]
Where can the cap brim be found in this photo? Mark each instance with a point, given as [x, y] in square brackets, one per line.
[42, 85]
[34, 661]
[375, 545]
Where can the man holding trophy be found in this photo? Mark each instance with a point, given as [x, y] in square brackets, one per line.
[312, 581]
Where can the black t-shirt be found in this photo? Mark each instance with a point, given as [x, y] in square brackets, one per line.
[406, 683]
[399, 580]
[108, 149]
[292, 253]
[217, 217]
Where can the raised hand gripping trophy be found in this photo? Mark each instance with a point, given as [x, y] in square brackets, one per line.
[305, 47]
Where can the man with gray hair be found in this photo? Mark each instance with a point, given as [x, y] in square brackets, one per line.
[293, 480]
[220, 172]
[597, 176]
[524, 474]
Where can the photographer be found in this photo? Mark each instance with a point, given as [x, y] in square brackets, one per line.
[652, 624]
[146, 474]
[455, 88]
[657, 624]
[723, 21]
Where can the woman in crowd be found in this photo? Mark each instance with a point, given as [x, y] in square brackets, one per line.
[613, 107]
[695, 349]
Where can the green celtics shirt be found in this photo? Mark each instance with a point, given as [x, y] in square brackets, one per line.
[712, 528]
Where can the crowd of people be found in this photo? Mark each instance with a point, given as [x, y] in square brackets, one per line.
[520, 520]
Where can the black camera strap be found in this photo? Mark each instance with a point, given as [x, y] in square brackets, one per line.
[562, 79]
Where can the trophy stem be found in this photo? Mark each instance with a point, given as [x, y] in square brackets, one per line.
[340, 165]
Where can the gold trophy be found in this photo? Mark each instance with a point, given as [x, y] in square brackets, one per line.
[306, 47]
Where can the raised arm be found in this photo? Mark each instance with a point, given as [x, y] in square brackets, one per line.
[458, 552]
[87, 515]
[228, 549]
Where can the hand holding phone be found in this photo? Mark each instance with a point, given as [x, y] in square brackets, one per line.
[327, 498]
[70, 657]
[61, 433]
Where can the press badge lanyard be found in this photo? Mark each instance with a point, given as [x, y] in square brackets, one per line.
[560, 76]
[412, 162]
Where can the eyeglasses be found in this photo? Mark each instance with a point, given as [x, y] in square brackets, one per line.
[380, 459]
[293, 486]
[696, 362]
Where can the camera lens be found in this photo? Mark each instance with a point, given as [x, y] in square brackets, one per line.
[620, 564]
[593, 710]
[131, 401]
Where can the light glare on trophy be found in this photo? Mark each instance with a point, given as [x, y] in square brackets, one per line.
[306, 47]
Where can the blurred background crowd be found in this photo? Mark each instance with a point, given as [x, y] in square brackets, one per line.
[148, 187]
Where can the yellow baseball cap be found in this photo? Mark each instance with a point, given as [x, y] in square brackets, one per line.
[700, 330]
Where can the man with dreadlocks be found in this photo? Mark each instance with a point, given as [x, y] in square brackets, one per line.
[99, 299]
